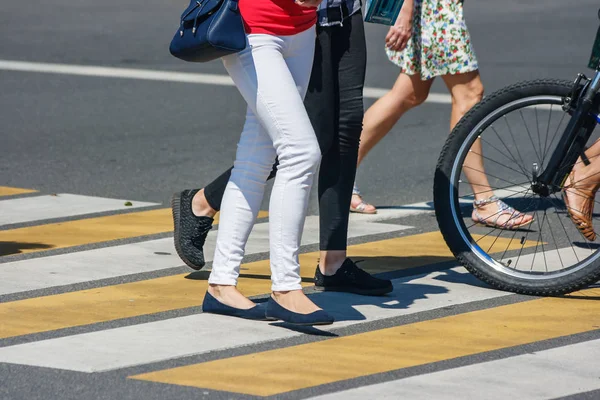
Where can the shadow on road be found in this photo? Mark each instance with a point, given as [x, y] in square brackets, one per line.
[10, 248]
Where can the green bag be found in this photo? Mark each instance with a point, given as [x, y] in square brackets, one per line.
[595, 58]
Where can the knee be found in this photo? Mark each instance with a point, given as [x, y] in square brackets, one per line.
[313, 155]
[349, 132]
[468, 98]
[414, 99]
[304, 159]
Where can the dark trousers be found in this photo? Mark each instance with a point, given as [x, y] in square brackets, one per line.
[334, 103]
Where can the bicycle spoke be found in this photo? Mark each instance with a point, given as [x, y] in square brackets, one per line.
[516, 146]
[515, 232]
[555, 133]
[530, 138]
[498, 212]
[505, 188]
[494, 161]
[509, 152]
[556, 243]
[524, 240]
[537, 127]
[565, 229]
[488, 174]
[540, 240]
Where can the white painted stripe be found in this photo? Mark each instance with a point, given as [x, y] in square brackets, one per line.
[111, 262]
[87, 266]
[537, 260]
[395, 212]
[164, 76]
[375, 93]
[112, 72]
[178, 337]
[547, 374]
[59, 206]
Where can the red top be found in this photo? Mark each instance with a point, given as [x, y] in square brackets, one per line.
[276, 17]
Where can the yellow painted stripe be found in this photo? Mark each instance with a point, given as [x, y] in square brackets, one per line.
[109, 303]
[298, 367]
[173, 292]
[10, 191]
[87, 231]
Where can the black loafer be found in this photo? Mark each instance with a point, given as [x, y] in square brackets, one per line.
[349, 278]
[190, 230]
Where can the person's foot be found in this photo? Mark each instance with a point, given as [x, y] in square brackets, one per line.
[358, 205]
[495, 213]
[579, 195]
[227, 300]
[191, 229]
[230, 296]
[295, 307]
[349, 278]
[295, 301]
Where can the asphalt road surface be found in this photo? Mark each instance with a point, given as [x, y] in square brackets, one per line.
[95, 304]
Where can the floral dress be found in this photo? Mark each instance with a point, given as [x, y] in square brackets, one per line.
[440, 43]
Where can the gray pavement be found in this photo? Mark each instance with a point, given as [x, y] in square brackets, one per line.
[74, 134]
[143, 140]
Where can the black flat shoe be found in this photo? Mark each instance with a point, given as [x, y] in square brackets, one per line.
[278, 312]
[190, 230]
[214, 306]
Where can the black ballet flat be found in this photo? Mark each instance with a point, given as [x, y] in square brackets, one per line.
[277, 312]
[214, 306]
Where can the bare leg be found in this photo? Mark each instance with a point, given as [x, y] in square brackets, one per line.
[584, 177]
[380, 118]
[230, 295]
[295, 300]
[466, 91]
[200, 206]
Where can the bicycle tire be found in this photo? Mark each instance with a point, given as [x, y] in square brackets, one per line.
[444, 200]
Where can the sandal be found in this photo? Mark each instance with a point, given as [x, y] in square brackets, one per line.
[581, 218]
[503, 209]
[361, 208]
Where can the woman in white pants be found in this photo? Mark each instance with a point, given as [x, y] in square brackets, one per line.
[272, 74]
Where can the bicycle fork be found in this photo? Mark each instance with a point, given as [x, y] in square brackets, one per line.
[572, 143]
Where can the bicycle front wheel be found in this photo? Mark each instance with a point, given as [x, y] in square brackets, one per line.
[497, 149]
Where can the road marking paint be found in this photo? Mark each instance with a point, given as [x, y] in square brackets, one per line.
[62, 205]
[298, 367]
[547, 374]
[425, 207]
[86, 231]
[48, 313]
[11, 191]
[108, 303]
[178, 337]
[164, 76]
[114, 261]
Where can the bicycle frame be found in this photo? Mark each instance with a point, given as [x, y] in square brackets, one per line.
[584, 106]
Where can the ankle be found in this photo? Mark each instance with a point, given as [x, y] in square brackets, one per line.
[331, 261]
[200, 206]
[216, 290]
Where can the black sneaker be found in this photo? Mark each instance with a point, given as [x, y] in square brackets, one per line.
[190, 230]
[350, 278]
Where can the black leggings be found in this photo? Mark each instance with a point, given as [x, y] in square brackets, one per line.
[334, 103]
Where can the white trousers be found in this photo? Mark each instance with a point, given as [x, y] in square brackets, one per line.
[272, 74]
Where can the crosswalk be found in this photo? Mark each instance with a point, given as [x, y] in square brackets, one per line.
[93, 287]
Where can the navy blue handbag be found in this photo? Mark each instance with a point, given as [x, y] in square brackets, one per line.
[209, 29]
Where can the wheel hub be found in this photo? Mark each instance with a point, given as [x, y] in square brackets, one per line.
[537, 187]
